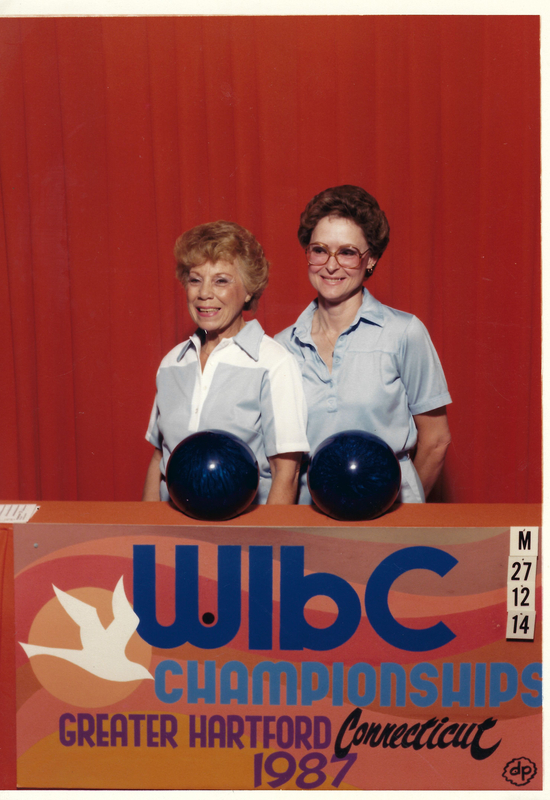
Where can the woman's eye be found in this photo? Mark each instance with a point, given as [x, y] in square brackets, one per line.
[348, 251]
[222, 281]
[317, 249]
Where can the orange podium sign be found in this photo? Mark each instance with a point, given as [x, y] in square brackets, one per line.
[256, 656]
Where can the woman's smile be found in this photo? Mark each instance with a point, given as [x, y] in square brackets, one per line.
[216, 295]
[333, 283]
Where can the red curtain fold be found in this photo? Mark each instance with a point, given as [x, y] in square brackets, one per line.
[117, 134]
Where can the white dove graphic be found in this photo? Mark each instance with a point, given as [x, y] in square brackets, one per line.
[103, 649]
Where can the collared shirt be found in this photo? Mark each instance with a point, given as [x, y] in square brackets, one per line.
[385, 370]
[250, 387]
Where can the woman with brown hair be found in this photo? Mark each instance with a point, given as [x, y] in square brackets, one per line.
[364, 365]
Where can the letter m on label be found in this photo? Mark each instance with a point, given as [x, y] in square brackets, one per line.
[524, 540]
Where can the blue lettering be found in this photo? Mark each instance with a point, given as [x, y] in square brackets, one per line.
[186, 626]
[423, 685]
[533, 684]
[208, 691]
[274, 672]
[297, 589]
[260, 606]
[338, 684]
[462, 694]
[369, 694]
[240, 692]
[497, 695]
[386, 673]
[164, 667]
[376, 598]
[480, 680]
[309, 694]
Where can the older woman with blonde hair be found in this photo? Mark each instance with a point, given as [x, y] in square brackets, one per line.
[228, 375]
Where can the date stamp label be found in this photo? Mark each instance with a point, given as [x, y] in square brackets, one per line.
[524, 541]
[520, 625]
[521, 569]
[521, 596]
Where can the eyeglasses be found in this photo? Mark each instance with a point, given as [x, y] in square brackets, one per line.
[347, 256]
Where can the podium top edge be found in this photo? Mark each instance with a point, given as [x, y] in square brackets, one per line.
[435, 515]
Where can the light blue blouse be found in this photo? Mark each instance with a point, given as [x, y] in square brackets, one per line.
[384, 371]
[250, 386]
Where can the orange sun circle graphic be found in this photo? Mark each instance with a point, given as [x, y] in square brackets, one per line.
[53, 627]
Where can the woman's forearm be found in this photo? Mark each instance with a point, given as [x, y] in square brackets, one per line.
[285, 470]
[151, 489]
[434, 438]
[428, 462]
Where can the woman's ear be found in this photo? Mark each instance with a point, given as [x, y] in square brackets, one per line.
[370, 268]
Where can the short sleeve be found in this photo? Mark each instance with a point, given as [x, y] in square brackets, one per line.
[421, 371]
[283, 408]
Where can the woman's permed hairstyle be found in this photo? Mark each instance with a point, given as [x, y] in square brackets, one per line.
[349, 202]
[224, 241]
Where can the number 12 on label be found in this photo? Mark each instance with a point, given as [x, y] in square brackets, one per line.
[311, 767]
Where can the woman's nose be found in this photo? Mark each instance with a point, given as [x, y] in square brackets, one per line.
[332, 264]
[205, 290]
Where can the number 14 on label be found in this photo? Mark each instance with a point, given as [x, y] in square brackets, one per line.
[520, 625]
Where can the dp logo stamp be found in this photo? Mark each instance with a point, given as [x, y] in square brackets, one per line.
[520, 771]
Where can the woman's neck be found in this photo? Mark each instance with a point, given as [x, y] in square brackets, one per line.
[337, 317]
[211, 339]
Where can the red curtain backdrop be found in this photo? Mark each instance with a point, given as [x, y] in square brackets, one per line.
[116, 134]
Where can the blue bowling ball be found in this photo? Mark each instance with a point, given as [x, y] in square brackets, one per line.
[354, 475]
[212, 475]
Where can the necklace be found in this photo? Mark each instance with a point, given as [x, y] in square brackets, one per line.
[327, 337]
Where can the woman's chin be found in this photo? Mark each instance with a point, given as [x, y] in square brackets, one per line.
[337, 294]
[215, 327]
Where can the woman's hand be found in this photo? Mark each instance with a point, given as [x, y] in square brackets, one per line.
[151, 489]
[285, 469]
[434, 437]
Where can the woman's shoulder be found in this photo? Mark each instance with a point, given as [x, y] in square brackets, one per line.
[275, 349]
[397, 320]
[172, 358]
[284, 337]
[385, 312]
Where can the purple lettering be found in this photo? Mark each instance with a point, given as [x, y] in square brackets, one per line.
[152, 735]
[303, 728]
[219, 734]
[168, 734]
[137, 719]
[235, 729]
[121, 734]
[268, 736]
[85, 733]
[102, 734]
[253, 729]
[67, 738]
[194, 734]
